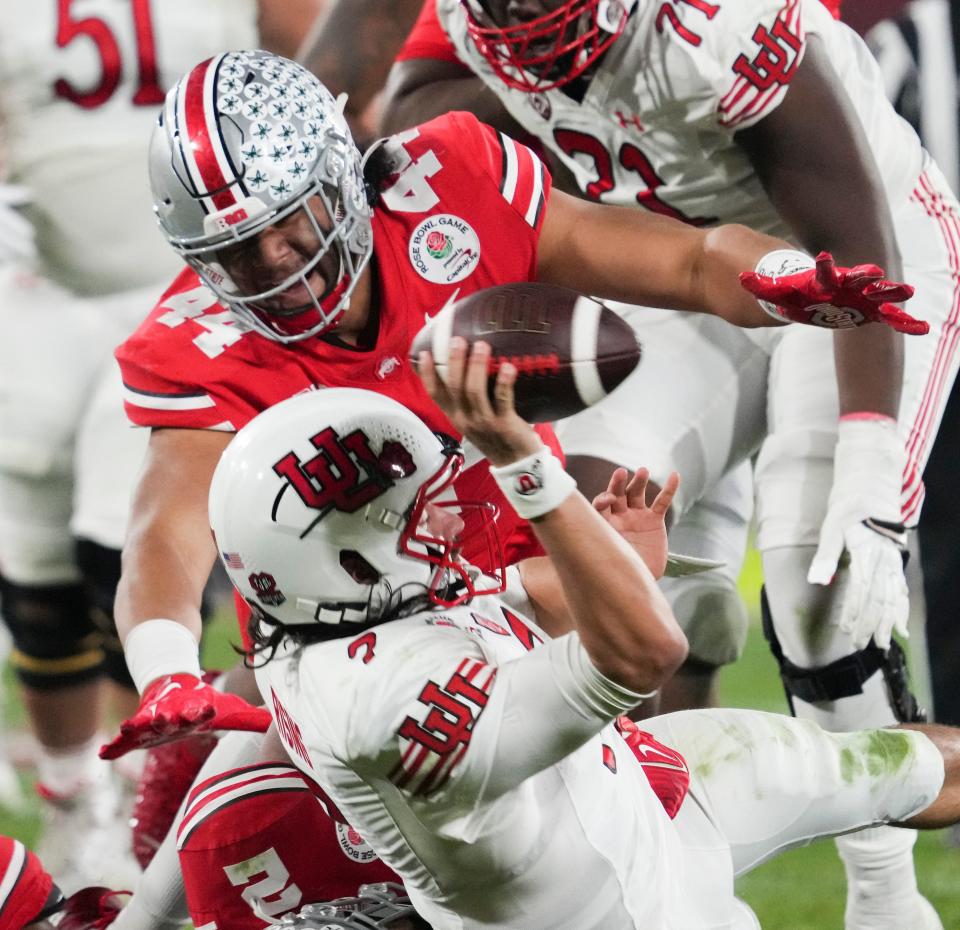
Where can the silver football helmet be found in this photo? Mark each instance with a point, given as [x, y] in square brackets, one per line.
[337, 505]
[377, 907]
[258, 184]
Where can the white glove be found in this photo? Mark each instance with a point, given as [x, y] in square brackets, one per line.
[16, 232]
[863, 517]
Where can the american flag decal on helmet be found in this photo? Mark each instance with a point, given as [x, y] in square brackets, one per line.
[232, 560]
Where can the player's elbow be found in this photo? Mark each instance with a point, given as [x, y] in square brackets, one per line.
[413, 93]
[648, 662]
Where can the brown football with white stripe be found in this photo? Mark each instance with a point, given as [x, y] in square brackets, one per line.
[570, 350]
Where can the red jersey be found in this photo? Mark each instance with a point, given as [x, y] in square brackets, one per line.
[428, 39]
[265, 835]
[462, 213]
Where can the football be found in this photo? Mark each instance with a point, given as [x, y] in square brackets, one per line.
[570, 351]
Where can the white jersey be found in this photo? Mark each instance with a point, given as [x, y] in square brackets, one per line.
[81, 84]
[657, 122]
[478, 759]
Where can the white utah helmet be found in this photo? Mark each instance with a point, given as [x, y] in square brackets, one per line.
[319, 507]
[248, 140]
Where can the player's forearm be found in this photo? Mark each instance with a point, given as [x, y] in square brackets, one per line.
[352, 44]
[621, 253]
[408, 102]
[162, 579]
[281, 24]
[624, 621]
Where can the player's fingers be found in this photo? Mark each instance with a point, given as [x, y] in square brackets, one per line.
[503, 389]
[662, 502]
[618, 481]
[617, 488]
[116, 748]
[891, 291]
[603, 501]
[427, 370]
[636, 489]
[883, 607]
[456, 365]
[862, 277]
[475, 382]
[826, 274]
[902, 322]
[857, 602]
[901, 611]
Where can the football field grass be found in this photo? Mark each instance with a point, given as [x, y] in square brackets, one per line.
[800, 890]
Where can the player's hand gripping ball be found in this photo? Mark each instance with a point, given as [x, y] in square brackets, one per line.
[569, 350]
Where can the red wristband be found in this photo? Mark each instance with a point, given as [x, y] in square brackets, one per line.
[867, 415]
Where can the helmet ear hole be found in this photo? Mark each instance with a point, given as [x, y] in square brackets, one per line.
[358, 568]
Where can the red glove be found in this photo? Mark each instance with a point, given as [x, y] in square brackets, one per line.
[168, 773]
[91, 909]
[175, 706]
[835, 298]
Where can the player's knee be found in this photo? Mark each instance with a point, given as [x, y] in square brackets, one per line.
[846, 676]
[36, 546]
[903, 768]
[55, 643]
[38, 554]
[713, 616]
[793, 476]
[100, 567]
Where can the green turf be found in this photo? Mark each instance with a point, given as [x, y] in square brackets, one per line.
[800, 890]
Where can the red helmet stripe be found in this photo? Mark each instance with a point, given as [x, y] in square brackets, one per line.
[204, 154]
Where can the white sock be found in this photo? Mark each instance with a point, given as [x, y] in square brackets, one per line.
[66, 772]
[880, 877]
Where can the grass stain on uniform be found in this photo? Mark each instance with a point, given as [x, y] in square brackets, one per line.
[876, 752]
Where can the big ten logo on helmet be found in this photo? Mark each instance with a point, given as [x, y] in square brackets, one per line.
[444, 249]
[289, 729]
[225, 220]
[265, 587]
[515, 312]
[345, 474]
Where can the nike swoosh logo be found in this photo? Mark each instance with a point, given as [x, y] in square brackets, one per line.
[659, 758]
[450, 300]
[167, 689]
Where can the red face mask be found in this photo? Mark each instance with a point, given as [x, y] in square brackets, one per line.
[551, 50]
[427, 537]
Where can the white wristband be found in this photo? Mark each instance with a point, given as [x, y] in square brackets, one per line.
[778, 264]
[160, 647]
[534, 485]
